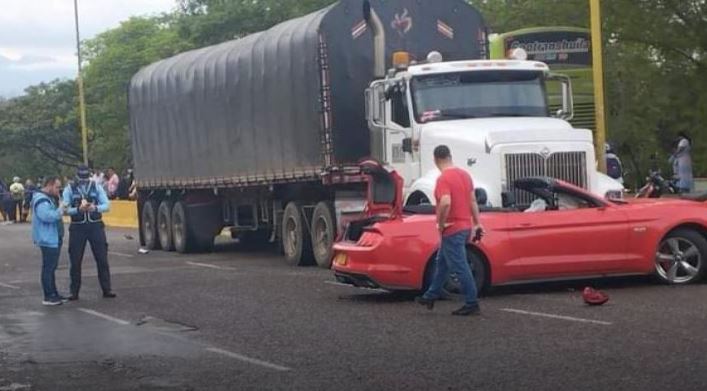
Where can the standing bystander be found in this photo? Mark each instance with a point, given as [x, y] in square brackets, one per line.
[47, 234]
[456, 208]
[30, 188]
[113, 183]
[87, 202]
[17, 193]
[682, 163]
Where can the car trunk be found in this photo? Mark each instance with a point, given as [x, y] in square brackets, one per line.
[384, 199]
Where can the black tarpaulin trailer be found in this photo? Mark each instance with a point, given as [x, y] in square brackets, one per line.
[283, 105]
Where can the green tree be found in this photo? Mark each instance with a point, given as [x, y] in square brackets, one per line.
[207, 22]
[40, 130]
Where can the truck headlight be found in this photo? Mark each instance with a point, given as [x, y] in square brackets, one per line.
[614, 195]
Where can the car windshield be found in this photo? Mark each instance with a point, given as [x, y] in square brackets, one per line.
[479, 94]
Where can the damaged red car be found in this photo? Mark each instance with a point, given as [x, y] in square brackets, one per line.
[562, 233]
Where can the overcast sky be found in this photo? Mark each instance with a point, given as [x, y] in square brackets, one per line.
[37, 37]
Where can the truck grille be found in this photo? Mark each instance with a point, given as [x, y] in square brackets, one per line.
[570, 167]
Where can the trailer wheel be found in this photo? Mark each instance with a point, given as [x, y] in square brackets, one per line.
[323, 234]
[148, 225]
[180, 229]
[164, 225]
[295, 236]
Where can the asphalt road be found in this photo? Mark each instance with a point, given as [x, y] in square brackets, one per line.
[240, 320]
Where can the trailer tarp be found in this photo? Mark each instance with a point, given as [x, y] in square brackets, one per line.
[285, 104]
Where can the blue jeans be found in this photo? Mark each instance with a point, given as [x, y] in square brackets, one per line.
[50, 261]
[452, 258]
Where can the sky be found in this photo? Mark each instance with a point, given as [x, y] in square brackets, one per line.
[37, 37]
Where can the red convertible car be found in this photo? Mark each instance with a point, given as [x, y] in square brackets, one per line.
[566, 234]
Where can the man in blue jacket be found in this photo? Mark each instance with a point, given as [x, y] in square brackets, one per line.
[87, 202]
[47, 234]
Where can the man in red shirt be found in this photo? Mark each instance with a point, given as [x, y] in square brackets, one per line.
[456, 207]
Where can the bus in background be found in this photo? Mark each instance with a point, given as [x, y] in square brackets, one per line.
[566, 50]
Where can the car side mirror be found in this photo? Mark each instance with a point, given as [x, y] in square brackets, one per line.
[407, 145]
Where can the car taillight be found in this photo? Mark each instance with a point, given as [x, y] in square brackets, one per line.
[370, 239]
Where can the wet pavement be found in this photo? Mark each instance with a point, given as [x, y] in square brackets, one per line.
[241, 319]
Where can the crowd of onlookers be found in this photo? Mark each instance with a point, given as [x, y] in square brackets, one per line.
[16, 196]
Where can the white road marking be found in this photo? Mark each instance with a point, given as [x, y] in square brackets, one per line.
[210, 266]
[8, 286]
[121, 255]
[104, 316]
[560, 317]
[248, 359]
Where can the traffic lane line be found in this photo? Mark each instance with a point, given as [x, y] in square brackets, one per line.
[233, 355]
[557, 317]
[209, 266]
[249, 360]
[8, 286]
[104, 316]
[121, 255]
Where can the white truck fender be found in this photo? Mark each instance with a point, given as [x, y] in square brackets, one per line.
[424, 186]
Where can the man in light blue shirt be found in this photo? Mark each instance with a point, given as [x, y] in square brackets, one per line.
[47, 234]
[86, 203]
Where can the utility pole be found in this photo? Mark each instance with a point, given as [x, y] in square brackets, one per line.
[79, 80]
[599, 99]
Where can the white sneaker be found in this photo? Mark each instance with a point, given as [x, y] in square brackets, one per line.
[50, 302]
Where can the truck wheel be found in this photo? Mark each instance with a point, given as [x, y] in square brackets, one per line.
[164, 225]
[180, 229]
[295, 236]
[323, 234]
[148, 225]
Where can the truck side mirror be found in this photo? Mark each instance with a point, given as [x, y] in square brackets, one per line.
[375, 105]
[389, 92]
[567, 111]
[407, 145]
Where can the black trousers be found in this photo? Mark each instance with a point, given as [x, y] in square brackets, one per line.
[95, 234]
[15, 208]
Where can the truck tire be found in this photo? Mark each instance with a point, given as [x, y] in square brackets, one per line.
[181, 235]
[296, 240]
[323, 234]
[164, 225]
[148, 225]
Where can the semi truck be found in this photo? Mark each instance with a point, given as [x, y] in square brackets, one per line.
[263, 134]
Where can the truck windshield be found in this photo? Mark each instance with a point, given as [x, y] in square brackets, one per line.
[479, 94]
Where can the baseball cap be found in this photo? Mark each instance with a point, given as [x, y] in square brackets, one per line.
[83, 172]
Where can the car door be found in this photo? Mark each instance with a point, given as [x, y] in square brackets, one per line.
[569, 243]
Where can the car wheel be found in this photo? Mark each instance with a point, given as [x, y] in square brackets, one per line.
[296, 242]
[453, 285]
[323, 232]
[148, 225]
[681, 257]
[164, 225]
[478, 269]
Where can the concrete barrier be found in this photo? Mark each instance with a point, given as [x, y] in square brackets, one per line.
[123, 214]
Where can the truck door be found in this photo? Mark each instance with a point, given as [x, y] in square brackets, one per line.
[398, 140]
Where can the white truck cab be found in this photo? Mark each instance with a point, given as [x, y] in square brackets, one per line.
[492, 114]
